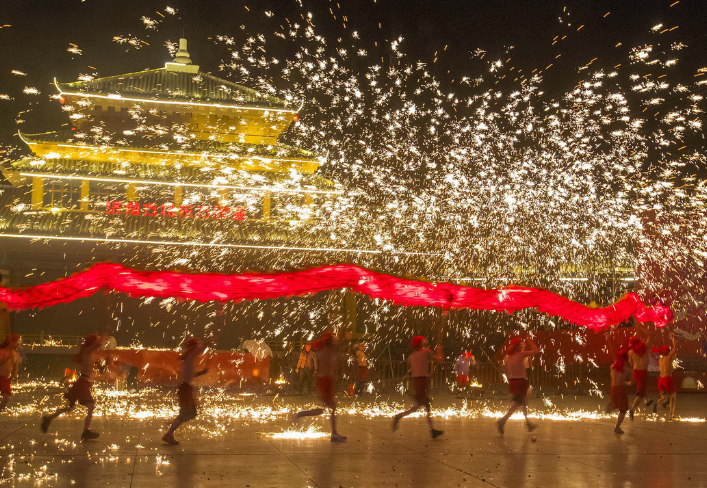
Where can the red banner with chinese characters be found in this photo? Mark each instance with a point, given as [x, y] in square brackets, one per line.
[115, 207]
[401, 291]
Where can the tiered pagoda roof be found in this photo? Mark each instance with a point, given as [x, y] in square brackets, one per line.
[169, 85]
[167, 143]
[199, 141]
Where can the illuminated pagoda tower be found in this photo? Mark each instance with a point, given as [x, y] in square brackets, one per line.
[165, 155]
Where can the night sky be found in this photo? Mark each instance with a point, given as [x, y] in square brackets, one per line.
[37, 34]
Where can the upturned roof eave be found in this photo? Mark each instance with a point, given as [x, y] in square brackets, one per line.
[53, 137]
[89, 89]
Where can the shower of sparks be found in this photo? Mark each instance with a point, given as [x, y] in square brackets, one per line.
[490, 179]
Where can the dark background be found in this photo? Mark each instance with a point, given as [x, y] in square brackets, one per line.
[36, 35]
[443, 34]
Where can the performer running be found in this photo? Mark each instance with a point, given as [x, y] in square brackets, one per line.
[461, 368]
[193, 348]
[620, 372]
[666, 383]
[9, 364]
[638, 358]
[80, 391]
[514, 366]
[327, 362]
[419, 364]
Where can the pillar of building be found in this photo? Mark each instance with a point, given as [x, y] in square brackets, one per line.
[131, 192]
[308, 200]
[350, 314]
[442, 325]
[37, 193]
[84, 194]
[266, 206]
[178, 195]
[223, 196]
[4, 321]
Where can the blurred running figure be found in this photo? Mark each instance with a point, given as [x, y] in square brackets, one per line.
[80, 391]
[419, 363]
[9, 364]
[193, 348]
[327, 361]
[638, 358]
[620, 379]
[514, 366]
[666, 383]
[461, 368]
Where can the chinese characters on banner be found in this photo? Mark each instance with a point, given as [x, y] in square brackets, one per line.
[170, 210]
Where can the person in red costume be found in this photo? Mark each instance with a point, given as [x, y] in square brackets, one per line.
[327, 351]
[638, 358]
[9, 364]
[620, 379]
[80, 391]
[666, 383]
[193, 348]
[461, 367]
[419, 363]
[514, 366]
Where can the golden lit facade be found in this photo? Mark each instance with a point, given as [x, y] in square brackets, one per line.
[169, 154]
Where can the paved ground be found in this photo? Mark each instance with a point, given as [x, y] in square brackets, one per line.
[231, 445]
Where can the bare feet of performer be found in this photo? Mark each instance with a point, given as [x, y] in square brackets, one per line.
[419, 363]
[514, 366]
[192, 349]
[327, 351]
[80, 391]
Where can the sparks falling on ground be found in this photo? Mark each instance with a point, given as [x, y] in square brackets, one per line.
[309, 433]
[487, 175]
[222, 410]
[226, 416]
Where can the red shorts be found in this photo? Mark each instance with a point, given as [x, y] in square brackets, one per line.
[640, 377]
[666, 385]
[619, 398]
[519, 389]
[462, 379]
[187, 401]
[362, 373]
[80, 392]
[5, 385]
[325, 385]
[420, 384]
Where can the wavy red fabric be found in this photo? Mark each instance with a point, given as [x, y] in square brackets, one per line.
[249, 286]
